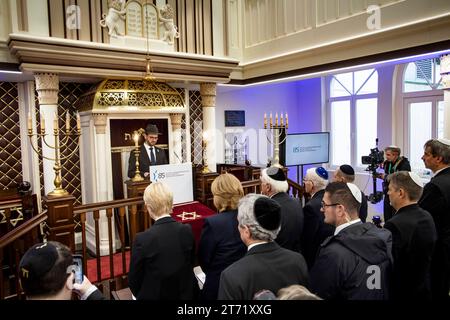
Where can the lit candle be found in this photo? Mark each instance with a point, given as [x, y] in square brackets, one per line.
[136, 138]
[265, 120]
[276, 119]
[78, 121]
[42, 124]
[29, 121]
[271, 119]
[286, 120]
[281, 119]
[55, 122]
[67, 121]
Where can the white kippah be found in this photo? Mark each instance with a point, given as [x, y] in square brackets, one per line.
[444, 141]
[415, 177]
[355, 192]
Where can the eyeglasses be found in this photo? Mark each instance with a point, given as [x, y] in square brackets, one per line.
[324, 205]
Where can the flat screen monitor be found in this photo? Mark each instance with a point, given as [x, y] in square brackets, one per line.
[307, 148]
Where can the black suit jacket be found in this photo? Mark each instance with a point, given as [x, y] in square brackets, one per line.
[363, 209]
[220, 246]
[144, 160]
[403, 165]
[413, 239]
[161, 262]
[315, 231]
[436, 200]
[265, 266]
[291, 222]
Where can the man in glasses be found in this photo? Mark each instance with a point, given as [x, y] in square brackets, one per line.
[355, 262]
[346, 173]
[46, 272]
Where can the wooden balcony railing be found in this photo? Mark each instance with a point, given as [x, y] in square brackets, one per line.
[12, 247]
[114, 281]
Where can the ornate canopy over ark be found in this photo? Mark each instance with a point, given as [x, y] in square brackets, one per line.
[124, 94]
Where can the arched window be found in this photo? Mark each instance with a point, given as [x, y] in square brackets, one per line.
[353, 104]
[423, 106]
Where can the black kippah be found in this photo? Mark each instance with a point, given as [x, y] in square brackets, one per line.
[267, 213]
[38, 260]
[347, 169]
[276, 174]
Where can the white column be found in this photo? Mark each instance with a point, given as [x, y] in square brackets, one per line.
[445, 74]
[175, 119]
[208, 94]
[47, 86]
[103, 180]
[30, 159]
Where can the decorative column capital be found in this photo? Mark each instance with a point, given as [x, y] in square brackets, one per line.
[175, 120]
[47, 86]
[208, 93]
[445, 71]
[100, 122]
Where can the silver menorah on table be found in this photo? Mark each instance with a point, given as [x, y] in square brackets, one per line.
[57, 146]
[277, 130]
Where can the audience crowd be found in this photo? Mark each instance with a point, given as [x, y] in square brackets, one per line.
[268, 246]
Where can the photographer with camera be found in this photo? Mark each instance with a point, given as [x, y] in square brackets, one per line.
[393, 163]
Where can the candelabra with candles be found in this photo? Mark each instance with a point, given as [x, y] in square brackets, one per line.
[277, 130]
[204, 153]
[136, 135]
[57, 146]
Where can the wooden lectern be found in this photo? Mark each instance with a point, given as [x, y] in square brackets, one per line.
[138, 216]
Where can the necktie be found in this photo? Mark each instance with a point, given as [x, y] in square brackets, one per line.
[152, 157]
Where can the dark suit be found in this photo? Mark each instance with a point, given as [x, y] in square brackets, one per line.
[144, 160]
[436, 200]
[363, 209]
[220, 246]
[161, 262]
[315, 231]
[265, 266]
[413, 239]
[291, 221]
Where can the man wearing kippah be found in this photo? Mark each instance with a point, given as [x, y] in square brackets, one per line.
[345, 173]
[436, 200]
[149, 153]
[413, 238]
[315, 231]
[274, 185]
[46, 272]
[355, 262]
[266, 265]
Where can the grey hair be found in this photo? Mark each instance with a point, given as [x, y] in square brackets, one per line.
[319, 183]
[277, 186]
[246, 217]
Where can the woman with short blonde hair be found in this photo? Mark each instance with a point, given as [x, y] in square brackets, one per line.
[158, 199]
[220, 242]
[162, 256]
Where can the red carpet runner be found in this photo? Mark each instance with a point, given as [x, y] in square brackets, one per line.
[104, 266]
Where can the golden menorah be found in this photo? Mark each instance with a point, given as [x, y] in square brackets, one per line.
[278, 129]
[137, 151]
[57, 146]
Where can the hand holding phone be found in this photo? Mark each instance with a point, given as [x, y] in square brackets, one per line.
[78, 262]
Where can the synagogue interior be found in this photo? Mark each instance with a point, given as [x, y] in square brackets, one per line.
[258, 89]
